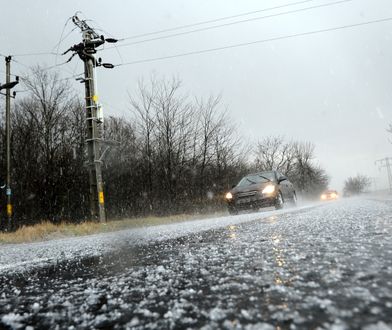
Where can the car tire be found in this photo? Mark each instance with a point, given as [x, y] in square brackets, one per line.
[233, 211]
[279, 202]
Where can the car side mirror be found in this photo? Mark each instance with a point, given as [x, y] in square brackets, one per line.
[282, 178]
[233, 186]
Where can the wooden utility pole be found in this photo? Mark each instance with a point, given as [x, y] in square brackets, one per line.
[8, 86]
[86, 50]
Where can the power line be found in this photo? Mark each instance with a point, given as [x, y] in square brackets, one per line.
[38, 53]
[22, 77]
[232, 23]
[71, 77]
[44, 68]
[63, 38]
[11, 74]
[20, 63]
[110, 35]
[28, 67]
[54, 81]
[191, 25]
[255, 42]
[56, 65]
[213, 20]
[56, 45]
[62, 32]
[34, 54]
[22, 91]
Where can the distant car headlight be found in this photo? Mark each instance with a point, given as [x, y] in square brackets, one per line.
[333, 195]
[323, 196]
[269, 189]
[229, 196]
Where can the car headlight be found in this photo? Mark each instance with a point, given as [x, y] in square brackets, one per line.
[323, 196]
[229, 196]
[269, 189]
[334, 195]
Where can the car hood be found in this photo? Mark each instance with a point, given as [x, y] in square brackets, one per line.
[252, 187]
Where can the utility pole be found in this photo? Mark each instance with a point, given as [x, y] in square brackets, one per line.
[8, 86]
[386, 162]
[86, 50]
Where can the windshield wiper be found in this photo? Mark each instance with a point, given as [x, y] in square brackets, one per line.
[251, 181]
[262, 176]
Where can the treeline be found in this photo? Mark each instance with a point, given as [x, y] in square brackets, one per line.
[47, 152]
[174, 153]
[356, 185]
[296, 160]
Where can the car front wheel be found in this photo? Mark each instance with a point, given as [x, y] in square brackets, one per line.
[233, 211]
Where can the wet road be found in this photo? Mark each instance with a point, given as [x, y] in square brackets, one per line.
[325, 267]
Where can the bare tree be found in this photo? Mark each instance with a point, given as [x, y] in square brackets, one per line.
[295, 159]
[143, 110]
[173, 117]
[356, 185]
[275, 153]
[123, 174]
[188, 146]
[47, 148]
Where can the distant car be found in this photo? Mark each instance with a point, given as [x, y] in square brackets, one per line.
[263, 189]
[329, 195]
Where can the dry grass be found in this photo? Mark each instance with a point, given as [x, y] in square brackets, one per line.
[47, 230]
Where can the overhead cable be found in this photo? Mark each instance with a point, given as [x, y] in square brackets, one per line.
[256, 42]
[214, 20]
[230, 24]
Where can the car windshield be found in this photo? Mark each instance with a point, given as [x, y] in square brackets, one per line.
[256, 178]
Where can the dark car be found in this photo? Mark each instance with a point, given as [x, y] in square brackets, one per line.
[263, 189]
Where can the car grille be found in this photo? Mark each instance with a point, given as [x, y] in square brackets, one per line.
[246, 197]
[246, 194]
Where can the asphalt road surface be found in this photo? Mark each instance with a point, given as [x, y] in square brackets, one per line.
[324, 266]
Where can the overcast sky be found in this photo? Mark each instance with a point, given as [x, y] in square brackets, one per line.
[332, 88]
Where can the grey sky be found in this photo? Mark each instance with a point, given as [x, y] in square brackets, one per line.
[333, 89]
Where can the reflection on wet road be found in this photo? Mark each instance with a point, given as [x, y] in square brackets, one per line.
[324, 267]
